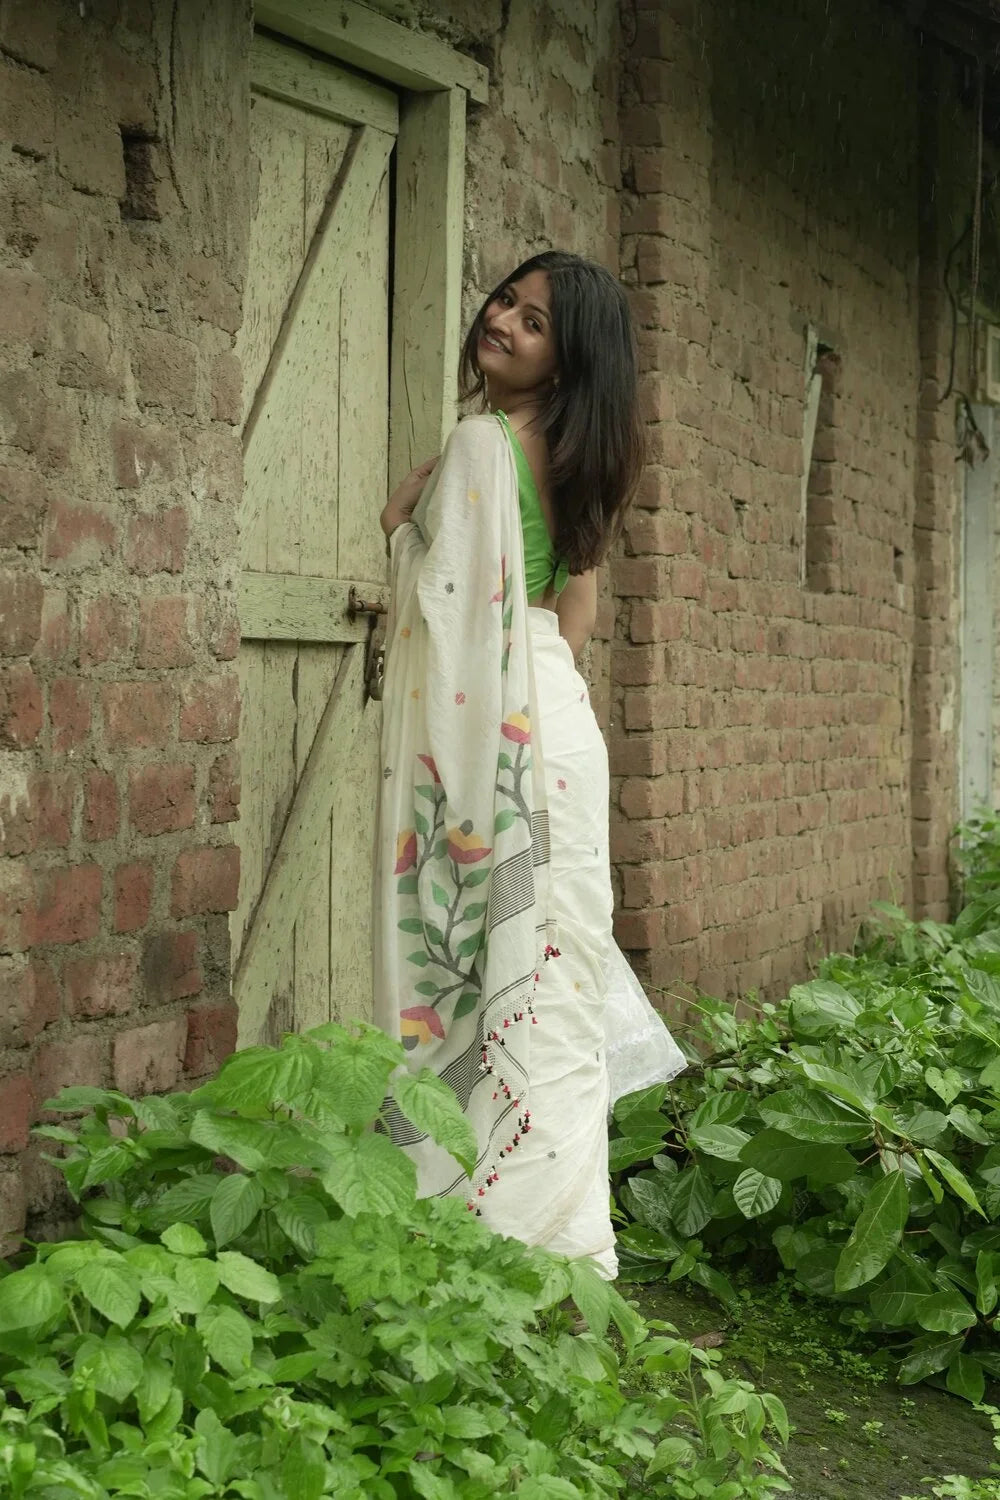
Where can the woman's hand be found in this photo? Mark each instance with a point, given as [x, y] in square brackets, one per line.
[400, 505]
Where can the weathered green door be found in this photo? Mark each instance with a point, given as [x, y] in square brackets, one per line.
[315, 354]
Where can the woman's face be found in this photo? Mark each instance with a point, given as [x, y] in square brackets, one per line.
[517, 347]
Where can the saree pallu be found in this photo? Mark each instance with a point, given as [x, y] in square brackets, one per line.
[488, 969]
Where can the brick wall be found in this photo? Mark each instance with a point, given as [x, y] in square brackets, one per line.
[772, 695]
[124, 224]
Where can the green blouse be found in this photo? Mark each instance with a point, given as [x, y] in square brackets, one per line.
[541, 565]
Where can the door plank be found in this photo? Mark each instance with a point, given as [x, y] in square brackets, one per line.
[343, 220]
[303, 840]
[289, 607]
[374, 43]
[297, 78]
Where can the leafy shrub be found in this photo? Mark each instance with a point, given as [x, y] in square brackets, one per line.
[850, 1134]
[260, 1307]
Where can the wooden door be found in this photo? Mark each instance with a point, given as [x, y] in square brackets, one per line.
[315, 353]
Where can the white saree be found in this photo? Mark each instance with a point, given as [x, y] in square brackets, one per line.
[492, 886]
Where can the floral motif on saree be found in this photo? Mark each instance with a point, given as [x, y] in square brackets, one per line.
[461, 882]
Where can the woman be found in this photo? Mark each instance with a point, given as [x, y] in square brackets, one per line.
[493, 894]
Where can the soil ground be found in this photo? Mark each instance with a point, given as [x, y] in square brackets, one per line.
[856, 1433]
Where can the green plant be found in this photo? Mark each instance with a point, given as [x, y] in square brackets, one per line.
[260, 1307]
[851, 1135]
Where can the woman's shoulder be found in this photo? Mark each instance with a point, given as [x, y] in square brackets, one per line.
[477, 434]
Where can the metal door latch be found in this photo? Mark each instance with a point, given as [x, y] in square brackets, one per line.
[375, 648]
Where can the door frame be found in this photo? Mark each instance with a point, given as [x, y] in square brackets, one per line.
[435, 83]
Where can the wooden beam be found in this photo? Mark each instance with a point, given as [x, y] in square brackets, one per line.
[306, 829]
[291, 607]
[296, 78]
[427, 296]
[366, 40]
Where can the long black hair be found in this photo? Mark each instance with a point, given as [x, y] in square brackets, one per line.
[590, 416]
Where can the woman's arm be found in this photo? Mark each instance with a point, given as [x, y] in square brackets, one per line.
[400, 504]
[576, 609]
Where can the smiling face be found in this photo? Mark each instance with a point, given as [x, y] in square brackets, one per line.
[517, 348]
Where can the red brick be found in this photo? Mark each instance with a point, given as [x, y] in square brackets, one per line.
[23, 503]
[137, 715]
[88, 361]
[89, 153]
[211, 1037]
[17, 1111]
[643, 576]
[227, 388]
[80, 1059]
[100, 807]
[13, 1210]
[105, 632]
[165, 632]
[171, 969]
[27, 109]
[17, 898]
[21, 597]
[150, 1059]
[28, 35]
[68, 904]
[133, 896]
[29, 1000]
[223, 635]
[55, 640]
[42, 818]
[157, 543]
[144, 452]
[69, 712]
[205, 880]
[210, 710]
[161, 798]
[165, 368]
[638, 929]
[224, 788]
[101, 984]
[20, 707]
[78, 536]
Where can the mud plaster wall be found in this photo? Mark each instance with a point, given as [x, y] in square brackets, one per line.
[124, 223]
[786, 750]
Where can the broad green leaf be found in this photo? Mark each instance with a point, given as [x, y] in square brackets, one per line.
[440, 895]
[112, 1287]
[900, 1299]
[876, 1234]
[702, 1274]
[724, 1141]
[725, 1108]
[464, 1422]
[299, 1217]
[260, 1077]
[969, 1124]
[779, 1155]
[430, 1104]
[947, 1085]
[648, 1244]
[755, 1193]
[647, 1197]
[777, 1415]
[28, 1299]
[114, 1365]
[245, 1278]
[187, 1199]
[184, 1239]
[218, 1449]
[966, 1378]
[955, 1179]
[691, 1201]
[808, 1115]
[197, 1283]
[642, 1100]
[923, 1125]
[303, 1469]
[946, 1312]
[672, 1453]
[987, 1271]
[592, 1295]
[370, 1175]
[228, 1337]
[821, 1007]
[847, 1085]
[236, 1202]
[226, 1135]
[625, 1151]
[153, 1389]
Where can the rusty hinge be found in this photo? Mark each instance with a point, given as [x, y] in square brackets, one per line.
[357, 605]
